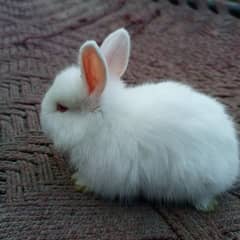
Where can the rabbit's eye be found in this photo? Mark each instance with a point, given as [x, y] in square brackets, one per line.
[61, 108]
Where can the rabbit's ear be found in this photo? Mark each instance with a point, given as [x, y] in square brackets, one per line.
[93, 67]
[116, 49]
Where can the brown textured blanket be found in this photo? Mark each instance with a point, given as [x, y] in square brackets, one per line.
[170, 39]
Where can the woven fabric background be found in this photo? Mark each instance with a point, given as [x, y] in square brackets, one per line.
[40, 37]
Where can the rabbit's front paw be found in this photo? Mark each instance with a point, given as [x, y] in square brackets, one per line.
[78, 184]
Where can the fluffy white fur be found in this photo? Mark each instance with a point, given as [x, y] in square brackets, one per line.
[165, 141]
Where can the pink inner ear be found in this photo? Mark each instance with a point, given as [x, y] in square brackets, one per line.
[94, 68]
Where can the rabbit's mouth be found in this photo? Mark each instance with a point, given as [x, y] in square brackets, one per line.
[61, 149]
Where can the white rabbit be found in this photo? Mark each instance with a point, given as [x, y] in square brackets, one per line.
[165, 141]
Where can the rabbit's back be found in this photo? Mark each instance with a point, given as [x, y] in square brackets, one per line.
[179, 143]
[189, 145]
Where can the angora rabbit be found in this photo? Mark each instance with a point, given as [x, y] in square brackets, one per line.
[164, 141]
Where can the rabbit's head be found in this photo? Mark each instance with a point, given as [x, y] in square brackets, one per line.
[70, 106]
